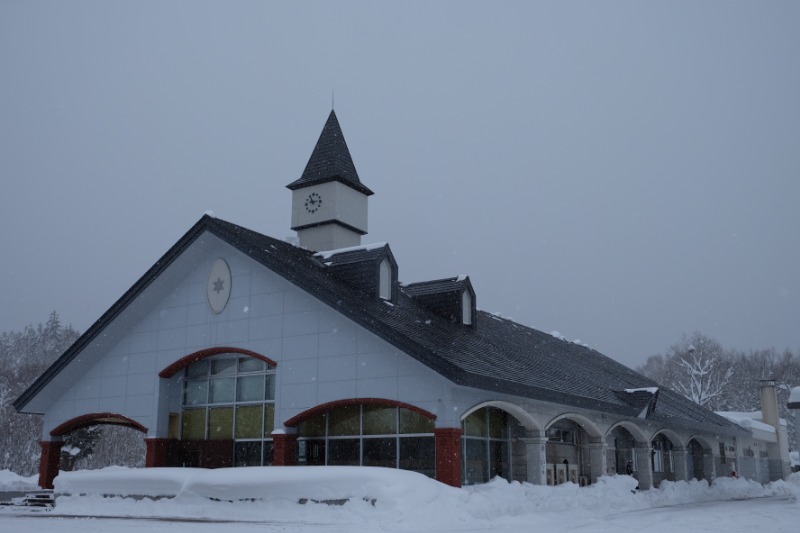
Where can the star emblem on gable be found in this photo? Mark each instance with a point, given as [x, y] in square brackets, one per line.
[219, 286]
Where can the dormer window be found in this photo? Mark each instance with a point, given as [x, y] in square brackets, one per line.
[466, 308]
[369, 269]
[452, 298]
[385, 280]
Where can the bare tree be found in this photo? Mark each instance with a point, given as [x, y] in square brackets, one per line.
[697, 367]
[727, 380]
[705, 371]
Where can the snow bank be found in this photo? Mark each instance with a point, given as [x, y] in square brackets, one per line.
[121, 481]
[9, 481]
[376, 496]
[247, 483]
[388, 485]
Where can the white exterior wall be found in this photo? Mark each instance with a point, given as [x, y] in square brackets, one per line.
[321, 355]
[339, 202]
[328, 237]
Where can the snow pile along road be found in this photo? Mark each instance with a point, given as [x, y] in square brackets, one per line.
[377, 496]
[9, 481]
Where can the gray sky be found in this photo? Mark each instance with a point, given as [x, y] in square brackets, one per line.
[619, 172]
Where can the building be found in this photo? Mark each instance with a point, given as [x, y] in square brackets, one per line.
[239, 349]
[763, 455]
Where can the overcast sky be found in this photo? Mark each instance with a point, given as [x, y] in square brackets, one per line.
[621, 172]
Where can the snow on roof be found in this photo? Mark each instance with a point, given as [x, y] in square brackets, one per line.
[327, 254]
[651, 390]
[794, 398]
[749, 420]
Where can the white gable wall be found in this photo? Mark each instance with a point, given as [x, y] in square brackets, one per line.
[322, 356]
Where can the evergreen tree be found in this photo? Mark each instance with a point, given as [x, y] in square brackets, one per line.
[23, 357]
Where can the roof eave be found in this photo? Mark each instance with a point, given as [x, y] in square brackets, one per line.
[357, 185]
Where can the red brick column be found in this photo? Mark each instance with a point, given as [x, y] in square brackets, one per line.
[448, 455]
[285, 453]
[157, 452]
[48, 464]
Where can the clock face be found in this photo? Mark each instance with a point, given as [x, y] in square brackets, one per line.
[313, 202]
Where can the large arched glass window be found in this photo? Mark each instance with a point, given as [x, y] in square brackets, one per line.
[662, 454]
[231, 397]
[488, 435]
[368, 435]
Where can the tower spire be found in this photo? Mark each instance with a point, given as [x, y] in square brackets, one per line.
[330, 160]
[329, 202]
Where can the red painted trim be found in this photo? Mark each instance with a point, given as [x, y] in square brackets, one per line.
[448, 455]
[93, 419]
[297, 419]
[49, 462]
[285, 451]
[183, 362]
[157, 452]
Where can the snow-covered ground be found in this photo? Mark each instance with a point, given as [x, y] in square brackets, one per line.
[388, 500]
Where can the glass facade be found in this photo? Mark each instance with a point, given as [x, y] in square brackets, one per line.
[487, 443]
[368, 435]
[231, 397]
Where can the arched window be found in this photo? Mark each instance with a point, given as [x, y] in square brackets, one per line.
[662, 454]
[385, 280]
[368, 435]
[466, 308]
[231, 397]
[487, 441]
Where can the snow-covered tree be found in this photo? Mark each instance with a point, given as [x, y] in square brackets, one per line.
[728, 380]
[704, 371]
[697, 366]
[23, 357]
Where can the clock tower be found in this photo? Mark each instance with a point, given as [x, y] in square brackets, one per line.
[329, 202]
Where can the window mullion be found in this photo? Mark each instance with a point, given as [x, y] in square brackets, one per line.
[361, 435]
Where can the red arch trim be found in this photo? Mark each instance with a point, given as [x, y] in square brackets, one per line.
[183, 362]
[297, 419]
[92, 419]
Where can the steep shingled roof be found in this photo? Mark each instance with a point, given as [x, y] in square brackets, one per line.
[330, 160]
[497, 355]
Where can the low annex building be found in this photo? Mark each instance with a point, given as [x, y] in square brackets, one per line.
[239, 349]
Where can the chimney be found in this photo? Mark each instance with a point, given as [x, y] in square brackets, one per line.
[779, 465]
[769, 403]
